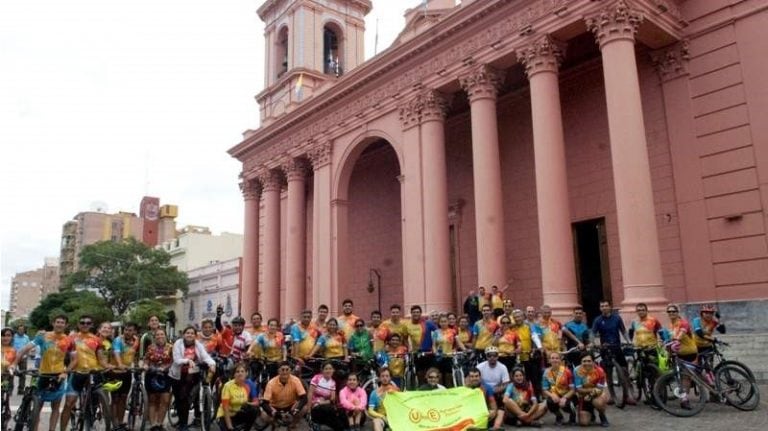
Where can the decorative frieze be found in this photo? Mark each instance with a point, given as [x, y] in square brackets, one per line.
[545, 54]
[409, 112]
[251, 189]
[482, 81]
[615, 22]
[671, 62]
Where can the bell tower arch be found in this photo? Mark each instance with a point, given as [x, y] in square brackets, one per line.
[309, 45]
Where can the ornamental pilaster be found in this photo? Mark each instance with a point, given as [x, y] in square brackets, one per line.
[482, 82]
[251, 189]
[320, 153]
[545, 54]
[294, 169]
[671, 62]
[270, 180]
[615, 22]
[434, 106]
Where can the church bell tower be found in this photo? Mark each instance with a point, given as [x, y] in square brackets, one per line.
[310, 44]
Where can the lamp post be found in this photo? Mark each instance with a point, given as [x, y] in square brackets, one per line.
[374, 272]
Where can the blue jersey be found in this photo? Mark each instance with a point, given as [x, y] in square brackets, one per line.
[579, 330]
[609, 329]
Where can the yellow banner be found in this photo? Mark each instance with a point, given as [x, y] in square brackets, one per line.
[455, 409]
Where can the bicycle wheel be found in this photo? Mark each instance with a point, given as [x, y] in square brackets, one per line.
[28, 414]
[206, 409]
[739, 365]
[669, 390]
[173, 414]
[618, 385]
[737, 389]
[648, 377]
[634, 376]
[137, 409]
[458, 378]
[99, 414]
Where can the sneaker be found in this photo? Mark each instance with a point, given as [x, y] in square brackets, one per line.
[604, 423]
[559, 421]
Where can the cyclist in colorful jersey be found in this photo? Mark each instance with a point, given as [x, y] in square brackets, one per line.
[705, 326]
[153, 323]
[507, 308]
[256, 325]
[444, 345]
[463, 331]
[552, 331]
[521, 402]
[497, 300]
[209, 337]
[681, 334]
[483, 330]
[332, 344]
[609, 328]
[234, 337]
[645, 330]
[322, 317]
[239, 406]
[376, 410]
[347, 319]
[360, 344]
[420, 339]
[576, 334]
[157, 361]
[530, 345]
[393, 358]
[185, 373]
[322, 399]
[508, 342]
[558, 390]
[271, 346]
[483, 298]
[54, 347]
[473, 381]
[378, 330]
[8, 356]
[105, 352]
[304, 335]
[589, 381]
[395, 324]
[124, 349]
[83, 361]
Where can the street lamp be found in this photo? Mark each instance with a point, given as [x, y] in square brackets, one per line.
[374, 272]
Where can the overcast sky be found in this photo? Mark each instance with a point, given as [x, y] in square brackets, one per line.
[109, 100]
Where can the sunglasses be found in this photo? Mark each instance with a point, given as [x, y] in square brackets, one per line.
[86, 322]
[673, 311]
[491, 355]
[433, 377]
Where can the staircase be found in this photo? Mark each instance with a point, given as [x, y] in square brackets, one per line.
[751, 349]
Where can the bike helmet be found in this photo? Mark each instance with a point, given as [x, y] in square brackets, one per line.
[491, 349]
[238, 320]
[707, 308]
[112, 386]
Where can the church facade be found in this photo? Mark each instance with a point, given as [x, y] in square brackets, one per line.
[565, 151]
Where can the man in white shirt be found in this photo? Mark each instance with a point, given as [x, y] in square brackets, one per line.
[492, 372]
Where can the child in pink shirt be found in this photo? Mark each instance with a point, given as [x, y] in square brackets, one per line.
[353, 401]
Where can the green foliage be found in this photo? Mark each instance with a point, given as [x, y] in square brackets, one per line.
[73, 304]
[21, 321]
[125, 272]
[142, 310]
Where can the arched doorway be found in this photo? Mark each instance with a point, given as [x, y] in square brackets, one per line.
[369, 227]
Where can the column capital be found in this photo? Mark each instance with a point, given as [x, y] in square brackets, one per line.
[410, 112]
[482, 82]
[545, 54]
[270, 179]
[615, 22]
[320, 153]
[294, 168]
[671, 62]
[251, 189]
[434, 106]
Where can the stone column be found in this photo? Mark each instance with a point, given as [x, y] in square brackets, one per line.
[322, 253]
[437, 265]
[481, 85]
[558, 276]
[272, 184]
[615, 29]
[249, 287]
[295, 246]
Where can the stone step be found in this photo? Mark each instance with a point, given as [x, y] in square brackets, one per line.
[751, 349]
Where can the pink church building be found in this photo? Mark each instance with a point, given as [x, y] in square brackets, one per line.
[570, 150]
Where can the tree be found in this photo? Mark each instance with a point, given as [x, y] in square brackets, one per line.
[125, 272]
[73, 304]
[142, 310]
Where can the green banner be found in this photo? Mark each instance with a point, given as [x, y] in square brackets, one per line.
[454, 409]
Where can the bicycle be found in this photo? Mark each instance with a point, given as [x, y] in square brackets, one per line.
[411, 379]
[6, 399]
[615, 375]
[138, 414]
[458, 362]
[643, 373]
[729, 385]
[92, 412]
[713, 359]
[367, 374]
[28, 413]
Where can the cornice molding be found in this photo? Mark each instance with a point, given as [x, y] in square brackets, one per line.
[544, 54]
[618, 21]
[671, 62]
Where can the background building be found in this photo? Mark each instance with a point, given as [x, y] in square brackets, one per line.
[154, 225]
[30, 287]
[210, 286]
[196, 246]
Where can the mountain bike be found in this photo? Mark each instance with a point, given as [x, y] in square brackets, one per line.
[713, 359]
[615, 376]
[368, 376]
[643, 373]
[28, 413]
[686, 388]
[138, 411]
[411, 379]
[92, 412]
[7, 388]
[458, 362]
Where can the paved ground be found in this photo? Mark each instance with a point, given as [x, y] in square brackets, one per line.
[714, 417]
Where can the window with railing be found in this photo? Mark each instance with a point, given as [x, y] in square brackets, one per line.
[332, 50]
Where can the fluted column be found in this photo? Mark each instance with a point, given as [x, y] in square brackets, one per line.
[615, 29]
[322, 253]
[272, 184]
[295, 246]
[437, 267]
[558, 276]
[481, 85]
[249, 286]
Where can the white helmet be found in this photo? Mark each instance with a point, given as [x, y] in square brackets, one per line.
[491, 349]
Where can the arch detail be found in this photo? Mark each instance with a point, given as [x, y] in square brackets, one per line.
[351, 154]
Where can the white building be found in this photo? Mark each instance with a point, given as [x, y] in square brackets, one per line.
[196, 246]
[210, 286]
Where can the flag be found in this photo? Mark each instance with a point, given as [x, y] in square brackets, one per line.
[455, 409]
[300, 87]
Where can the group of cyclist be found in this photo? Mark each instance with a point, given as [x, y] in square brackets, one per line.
[525, 362]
